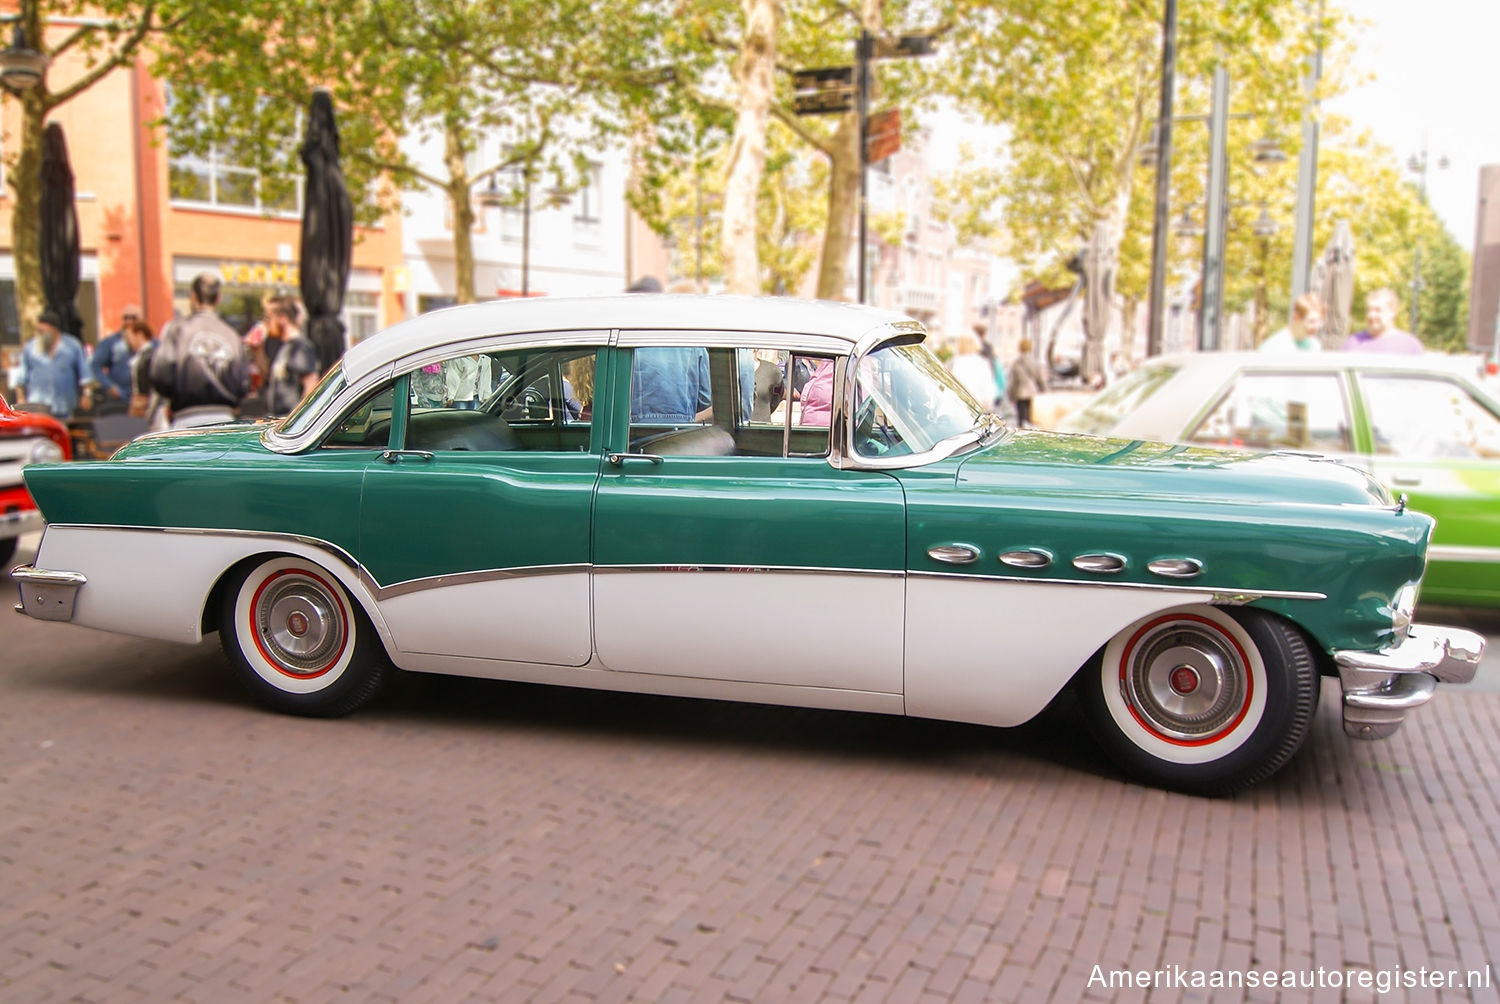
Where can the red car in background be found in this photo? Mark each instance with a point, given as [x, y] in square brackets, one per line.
[25, 438]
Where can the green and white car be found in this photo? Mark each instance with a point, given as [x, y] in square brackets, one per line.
[1425, 426]
[906, 554]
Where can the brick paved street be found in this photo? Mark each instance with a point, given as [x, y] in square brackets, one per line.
[161, 838]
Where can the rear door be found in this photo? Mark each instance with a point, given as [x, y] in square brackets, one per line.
[476, 524]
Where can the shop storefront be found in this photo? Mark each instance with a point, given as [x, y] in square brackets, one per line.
[247, 283]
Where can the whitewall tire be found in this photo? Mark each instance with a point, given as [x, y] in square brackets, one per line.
[1203, 699]
[297, 640]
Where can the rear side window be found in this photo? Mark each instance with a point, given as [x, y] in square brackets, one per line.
[1101, 414]
[1280, 411]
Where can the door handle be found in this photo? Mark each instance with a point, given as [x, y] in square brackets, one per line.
[1409, 480]
[619, 458]
[394, 456]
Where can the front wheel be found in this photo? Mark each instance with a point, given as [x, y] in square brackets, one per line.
[1202, 699]
[298, 642]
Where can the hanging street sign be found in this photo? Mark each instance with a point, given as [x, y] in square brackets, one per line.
[825, 91]
[883, 135]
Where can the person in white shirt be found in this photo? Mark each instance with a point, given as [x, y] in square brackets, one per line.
[1302, 334]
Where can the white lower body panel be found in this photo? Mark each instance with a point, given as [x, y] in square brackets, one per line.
[837, 630]
[530, 618]
[996, 652]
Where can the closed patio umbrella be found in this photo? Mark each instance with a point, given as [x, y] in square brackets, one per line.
[327, 232]
[1338, 285]
[1099, 267]
[59, 231]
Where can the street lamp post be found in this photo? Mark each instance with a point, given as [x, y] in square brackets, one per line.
[1417, 164]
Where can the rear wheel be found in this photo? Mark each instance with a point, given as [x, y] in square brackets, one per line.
[1203, 699]
[298, 642]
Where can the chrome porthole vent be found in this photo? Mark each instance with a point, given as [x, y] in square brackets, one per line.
[1104, 563]
[1031, 557]
[1176, 568]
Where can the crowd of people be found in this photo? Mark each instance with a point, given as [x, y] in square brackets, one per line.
[198, 370]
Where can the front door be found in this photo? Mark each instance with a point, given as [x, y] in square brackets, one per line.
[726, 547]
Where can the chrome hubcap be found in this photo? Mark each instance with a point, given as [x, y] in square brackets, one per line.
[299, 624]
[1186, 680]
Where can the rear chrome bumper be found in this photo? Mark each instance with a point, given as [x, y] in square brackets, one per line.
[1381, 687]
[15, 522]
[47, 595]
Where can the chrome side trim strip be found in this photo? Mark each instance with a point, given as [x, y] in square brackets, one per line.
[1449, 552]
[778, 569]
[380, 592]
[1220, 594]
[468, 578]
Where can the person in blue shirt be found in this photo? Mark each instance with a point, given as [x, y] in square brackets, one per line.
[670, 384]
[110, 363]
[54, 370]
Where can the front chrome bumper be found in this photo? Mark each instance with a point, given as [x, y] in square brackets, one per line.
[1381, 687]
[47, 595]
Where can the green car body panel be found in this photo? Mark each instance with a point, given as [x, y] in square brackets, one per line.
[1257, 523]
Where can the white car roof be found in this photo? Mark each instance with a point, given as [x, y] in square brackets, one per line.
[649, 311]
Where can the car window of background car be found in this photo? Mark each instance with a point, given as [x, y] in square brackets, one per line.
[907, 402]
[1113, 403]
[1271, 411]
[1416, 417]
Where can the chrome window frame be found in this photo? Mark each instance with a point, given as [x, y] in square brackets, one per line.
[352, 393]
[847, 458]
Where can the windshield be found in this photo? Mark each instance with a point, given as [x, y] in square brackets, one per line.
[302, 417]
[1101, 414]
[906, 402]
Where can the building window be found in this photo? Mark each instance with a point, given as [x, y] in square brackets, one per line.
[212, 175]
[586, 201]
[361, 316]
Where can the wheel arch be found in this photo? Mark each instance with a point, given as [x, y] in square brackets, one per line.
[351, 577]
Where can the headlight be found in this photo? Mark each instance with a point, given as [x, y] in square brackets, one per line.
[45, 451]
[1402, 607]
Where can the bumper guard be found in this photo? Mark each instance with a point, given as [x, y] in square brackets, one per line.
[47, 595]
[1381, 687]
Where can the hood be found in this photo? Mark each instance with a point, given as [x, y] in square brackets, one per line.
[1084, 465]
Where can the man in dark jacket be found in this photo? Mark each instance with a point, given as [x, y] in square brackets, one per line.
[200, 367]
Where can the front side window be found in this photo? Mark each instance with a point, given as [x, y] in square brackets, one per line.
[368, 425]
[1418, 418]
[305, 414]
[906, 402]
[1279, 411]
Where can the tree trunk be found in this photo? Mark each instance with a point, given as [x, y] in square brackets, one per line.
[747, 153]
[843, 210]
[25, 178]
[463, 212]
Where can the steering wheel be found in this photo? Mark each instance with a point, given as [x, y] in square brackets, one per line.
[865, 440]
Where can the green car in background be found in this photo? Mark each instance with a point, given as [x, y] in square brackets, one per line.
[1425, 426]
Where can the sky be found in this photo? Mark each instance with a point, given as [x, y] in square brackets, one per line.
[1436, 81]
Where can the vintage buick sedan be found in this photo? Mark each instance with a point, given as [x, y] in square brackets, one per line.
[760, 500]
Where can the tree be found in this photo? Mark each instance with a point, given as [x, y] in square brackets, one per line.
[109, 37]
[543, 73]
[1077, 85]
